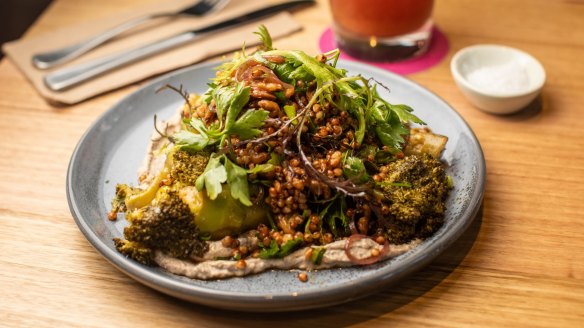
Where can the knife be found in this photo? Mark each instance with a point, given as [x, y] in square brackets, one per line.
[65, 78]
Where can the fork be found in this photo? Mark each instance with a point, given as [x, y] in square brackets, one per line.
[59, 56]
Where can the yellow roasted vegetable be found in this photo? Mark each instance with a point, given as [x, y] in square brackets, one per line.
[423, 141]
[222, 216]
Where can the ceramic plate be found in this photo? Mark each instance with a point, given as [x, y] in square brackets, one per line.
[112, 150]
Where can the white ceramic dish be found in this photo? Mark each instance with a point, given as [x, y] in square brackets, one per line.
[113, 148]
[509, 78]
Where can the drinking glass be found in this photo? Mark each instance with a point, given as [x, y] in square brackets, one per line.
[382, 30]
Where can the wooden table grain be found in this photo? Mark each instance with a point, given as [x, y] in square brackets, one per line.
[520, 264]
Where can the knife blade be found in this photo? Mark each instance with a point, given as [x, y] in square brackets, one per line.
[68, 77]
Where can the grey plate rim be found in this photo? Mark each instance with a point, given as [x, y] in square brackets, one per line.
[283, 301]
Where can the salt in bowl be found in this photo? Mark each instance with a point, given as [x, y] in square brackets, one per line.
[497, 79]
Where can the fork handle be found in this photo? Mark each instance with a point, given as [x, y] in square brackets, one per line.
[50, 59]
[71, 76]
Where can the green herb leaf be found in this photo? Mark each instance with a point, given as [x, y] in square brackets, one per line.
[377, 113]
[198, 125]
[404, 112]
[265, 37]
[278, 252]
[237, 180]
[275, 159]
[262, 168]
[281, 96]
[354, 169]
[189, 141]
[391, 132]
[289, 247]
[239, 98]
[338, 215]
[368, 150]
[270, 251]
[385, 156]
[212, 178]
[317, 255]
[247, 125]
[291, 113]
[223, 96]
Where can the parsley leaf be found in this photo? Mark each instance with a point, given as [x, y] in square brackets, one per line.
[237, 180]
[229, 100]
[388, 124]
[247, 125]
[220, 170]
[189, 141]
[391, 132]
[212, 178]
[198, 125]
[404, 112]
[223, 96]
[239, 98]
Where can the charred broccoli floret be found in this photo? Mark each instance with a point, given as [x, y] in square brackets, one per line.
[187, 167]
[135, 250]
[119, 201]
[167, 225]
[416, 188]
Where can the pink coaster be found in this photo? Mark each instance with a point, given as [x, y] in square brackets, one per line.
[437, 51]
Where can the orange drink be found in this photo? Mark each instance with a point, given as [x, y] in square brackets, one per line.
[382, 30]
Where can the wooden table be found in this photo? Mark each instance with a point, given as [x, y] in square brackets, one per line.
[520, 264]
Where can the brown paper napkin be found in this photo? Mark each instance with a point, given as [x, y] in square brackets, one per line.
[21, 51]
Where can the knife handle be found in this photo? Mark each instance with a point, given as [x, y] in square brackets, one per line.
[71, 76]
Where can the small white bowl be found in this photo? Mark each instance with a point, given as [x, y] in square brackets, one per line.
[497, 79]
